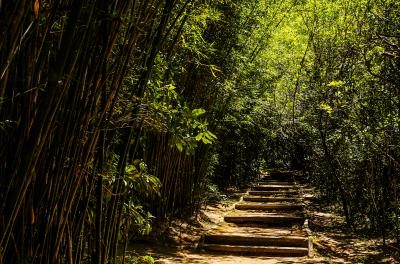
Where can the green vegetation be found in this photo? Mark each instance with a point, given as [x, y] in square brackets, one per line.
[119, 115]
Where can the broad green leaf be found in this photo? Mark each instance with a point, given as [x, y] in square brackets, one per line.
[198, 112]
[199, 136]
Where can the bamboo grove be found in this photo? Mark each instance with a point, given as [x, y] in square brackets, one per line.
[116, 116]
[103, 120]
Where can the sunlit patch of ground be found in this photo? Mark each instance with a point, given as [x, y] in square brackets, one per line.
[333, 243]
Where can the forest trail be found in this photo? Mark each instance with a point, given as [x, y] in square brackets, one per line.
[224, 235]
[268, 221]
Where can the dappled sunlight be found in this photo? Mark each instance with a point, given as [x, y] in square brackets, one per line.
[332, 241]
[247, 126]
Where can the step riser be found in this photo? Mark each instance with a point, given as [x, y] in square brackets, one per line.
[277, 183]
[269, 225]
[267, 193]
[280, 174]
[256, 241]
[282, 188]
[278, 177]
[272, 181]
[266, 207]
[271, 199]
[274, 251]
[285, 179]
[269, 221]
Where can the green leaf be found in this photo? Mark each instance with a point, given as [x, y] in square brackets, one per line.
[210, 135]
[214, 69]
[326, 107]
[198, 112]
[335, 83]
[199, 136]
[129, 169]
[206, 141]
[179, 146]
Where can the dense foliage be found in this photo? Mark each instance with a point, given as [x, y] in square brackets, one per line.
[337, 90]
[355, 81]
[118, 115]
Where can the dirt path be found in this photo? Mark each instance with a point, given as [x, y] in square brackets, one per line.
[332, 241]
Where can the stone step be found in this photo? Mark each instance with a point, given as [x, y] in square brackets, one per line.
[270, 199]
[260, 250]
[269, 180]
[256, 240]
[282, 179]
[272, 187]
[280, 174]
[267, 207]
[274, 182]
[233, 229]
[272, 224]
[273, 193]
[265, 219]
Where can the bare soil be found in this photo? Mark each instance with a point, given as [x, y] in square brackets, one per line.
[333, 242]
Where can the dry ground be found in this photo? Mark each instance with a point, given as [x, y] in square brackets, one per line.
[333, 243]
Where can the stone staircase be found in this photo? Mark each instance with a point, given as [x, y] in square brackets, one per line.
[269, 220]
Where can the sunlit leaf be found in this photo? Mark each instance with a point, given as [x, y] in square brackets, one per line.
[179, 146]
[326, 107]
[205, 140]
[199, 136]
[335, 83]
[198, 112]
